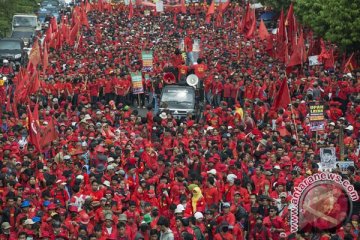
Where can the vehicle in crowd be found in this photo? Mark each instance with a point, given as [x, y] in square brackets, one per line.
[179, 100]
[25, 26]
[12, 49]
[46, 13]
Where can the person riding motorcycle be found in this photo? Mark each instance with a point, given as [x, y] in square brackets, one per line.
[6, 69]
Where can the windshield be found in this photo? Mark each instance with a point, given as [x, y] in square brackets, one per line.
[8, 45]
[24, 21]
[176, 97]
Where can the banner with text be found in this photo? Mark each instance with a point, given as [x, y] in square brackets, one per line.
[137, 84]
[316, 116]
[147, 59]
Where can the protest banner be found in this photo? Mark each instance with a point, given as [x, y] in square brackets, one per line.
[147, 59]
[316, 116]
[343, 165]
[328, 158]
[137, 84]
[314, 60]
[159, 6]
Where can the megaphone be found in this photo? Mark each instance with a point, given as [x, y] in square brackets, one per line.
[192, 80]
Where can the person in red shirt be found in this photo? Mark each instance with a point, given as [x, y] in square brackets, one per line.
[211, 193]
[259, 231]
[224, 233]
[274, 223]
[188, 47]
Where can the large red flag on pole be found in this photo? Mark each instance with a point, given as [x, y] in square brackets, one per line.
[34, 130]
[131, 10]
[350, 64]
[252, 24]
[283, 97]
[183, 7]
[263, 32]
[45, 62]
[48, 134]
[211, 11]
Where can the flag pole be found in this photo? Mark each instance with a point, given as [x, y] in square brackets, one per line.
[292, 113]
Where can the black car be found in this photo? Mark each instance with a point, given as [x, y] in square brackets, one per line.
[13, 50]
[27, 35]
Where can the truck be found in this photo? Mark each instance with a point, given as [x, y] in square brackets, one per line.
[25, 26]
[179, 100]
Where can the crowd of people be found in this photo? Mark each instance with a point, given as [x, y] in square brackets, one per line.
[114, 174]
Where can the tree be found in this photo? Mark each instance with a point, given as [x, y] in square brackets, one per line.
[335, 20]
[9, 7]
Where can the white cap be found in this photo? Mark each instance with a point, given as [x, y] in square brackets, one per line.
[81, 177]
[45, 123]
[277, 167]
[110, 167]
[212, 171]
[231, 177]
[332, 124]
[198, 215]
[179, 208]
[29, 221]
[110, 159]
[350, 128]
[5, 61]
[106, 183]
[84, 144]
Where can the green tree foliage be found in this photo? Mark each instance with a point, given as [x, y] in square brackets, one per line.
[336, 20]
[9, 7]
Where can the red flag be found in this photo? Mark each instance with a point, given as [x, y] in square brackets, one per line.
[131, 10]
[290, 23]
[48, 34]
[223, 6]
[48, 134]
[298, 56]
[350, 64]
[84, 18]
[330, 62]
[281, 35]
[34, 56]
[263, 32]
[74, 34]
[245, 19]
[252, 24]
[45, 58]
[211, 11]
[183, 7]
[35, 112]
[53, 24]
[34, 83]
[34, 130]
[283, 96]
[87, 6]
[281, 43]
[100, 6]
